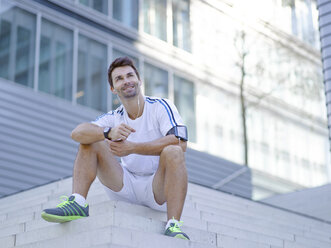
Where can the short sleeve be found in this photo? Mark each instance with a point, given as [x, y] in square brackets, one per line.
[105, 120]
[168, 116]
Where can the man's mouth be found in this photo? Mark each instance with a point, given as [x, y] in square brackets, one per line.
[128, 87]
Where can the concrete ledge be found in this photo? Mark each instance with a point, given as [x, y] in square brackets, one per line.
[211, 218]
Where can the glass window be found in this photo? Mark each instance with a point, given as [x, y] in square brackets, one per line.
[126, 11]
[55, 60]
[98, 5]
[155, 18]
[116, 53]
[303, 18]
[156, 81]
[92, 74]
[181, 24]
[185, 102]
[17, 44]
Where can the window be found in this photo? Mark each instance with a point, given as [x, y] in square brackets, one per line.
[155, 18]
[126, 11]
[156, 81]
[181, 24]
[92, 74]
[155, 21]
[302, 18]
[185, 102]
[55, 60]
[17, 44]
[116, 53]
[98, 5]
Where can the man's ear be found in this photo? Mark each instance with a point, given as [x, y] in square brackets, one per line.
[113, 90]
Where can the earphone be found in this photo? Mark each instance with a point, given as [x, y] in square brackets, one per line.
[138, 105]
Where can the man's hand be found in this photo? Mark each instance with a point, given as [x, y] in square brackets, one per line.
[121, 148]
[121, 132]
[153, 147]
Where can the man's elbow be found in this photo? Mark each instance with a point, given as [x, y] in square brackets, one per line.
[76, 133]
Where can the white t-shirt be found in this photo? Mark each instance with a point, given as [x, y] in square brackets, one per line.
[159, 116]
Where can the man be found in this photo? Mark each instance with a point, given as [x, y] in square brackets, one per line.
[149, 136]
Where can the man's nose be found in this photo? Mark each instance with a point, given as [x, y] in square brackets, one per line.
[126, 80]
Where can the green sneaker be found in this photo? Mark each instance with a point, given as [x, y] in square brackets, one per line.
[67, 210]
[174, 231]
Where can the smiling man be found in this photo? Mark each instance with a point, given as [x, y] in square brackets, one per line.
[150, 138]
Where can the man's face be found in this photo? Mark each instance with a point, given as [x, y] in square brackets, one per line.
[125, 81]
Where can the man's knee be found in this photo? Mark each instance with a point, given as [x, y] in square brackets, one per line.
[89, 148]
[173, 154]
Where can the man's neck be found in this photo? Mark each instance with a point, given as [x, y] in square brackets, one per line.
[134, 106]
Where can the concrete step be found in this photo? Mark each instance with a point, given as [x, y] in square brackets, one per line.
[211, 218]
[109, 246]
[124, 238]
[111, 233]
[241, 220]
[15, 213]
[31, 200]
[112, 236]
[66, 183]
[131, 211]
[39, 230]
[232, 242]
[131, 221]
[259, 222]
[279, 216]
[203, 195]
[263, 226]
[251, 208]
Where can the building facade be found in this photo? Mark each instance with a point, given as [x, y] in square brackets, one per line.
[201, 54]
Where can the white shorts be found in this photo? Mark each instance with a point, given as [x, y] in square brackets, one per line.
[136, 189]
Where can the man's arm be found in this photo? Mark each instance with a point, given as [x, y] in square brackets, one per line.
[155, 147]
[87, 133]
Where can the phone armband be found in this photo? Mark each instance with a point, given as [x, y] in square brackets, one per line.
[180, 131]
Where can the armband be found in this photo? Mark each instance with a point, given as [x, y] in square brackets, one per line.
[179, 131]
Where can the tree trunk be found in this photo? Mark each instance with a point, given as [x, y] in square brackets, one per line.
[243, 112]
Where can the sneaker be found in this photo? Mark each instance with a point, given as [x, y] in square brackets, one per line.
[67, 210]
[174, 231]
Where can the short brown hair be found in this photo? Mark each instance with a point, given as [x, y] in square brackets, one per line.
[120, 61]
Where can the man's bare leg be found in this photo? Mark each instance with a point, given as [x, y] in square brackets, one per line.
[92, 160]
[170, 181]
[96, 160]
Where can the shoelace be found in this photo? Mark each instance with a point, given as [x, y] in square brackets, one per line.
[65, 201]
[176, 226]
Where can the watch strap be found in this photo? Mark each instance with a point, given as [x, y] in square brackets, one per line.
[106, 133]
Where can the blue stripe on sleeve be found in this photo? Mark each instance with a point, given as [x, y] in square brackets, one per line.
[167, 108]
[167, 112]
[150, 100]
[172, 114]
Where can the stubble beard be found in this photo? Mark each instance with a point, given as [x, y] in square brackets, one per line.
[132, 94]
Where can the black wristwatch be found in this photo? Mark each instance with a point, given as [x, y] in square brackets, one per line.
[106, 132]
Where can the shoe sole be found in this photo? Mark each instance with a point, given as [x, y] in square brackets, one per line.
[178, 236]
[58, 219]
[181, 236]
